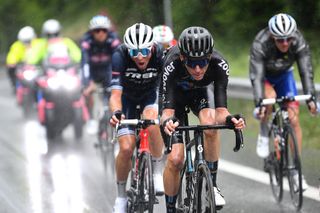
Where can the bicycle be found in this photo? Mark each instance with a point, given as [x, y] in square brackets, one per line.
[284, 158]
[141, 194]
[105, 131]
[196, 193]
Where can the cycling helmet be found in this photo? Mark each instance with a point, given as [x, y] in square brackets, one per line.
[138, 36]
[51, 27]
[99, 22]
[26, 34]
[196, 42]
[162, 34]
[282, 25]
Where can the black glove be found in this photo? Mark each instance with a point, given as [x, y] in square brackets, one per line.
[229, 118]
[118, 114]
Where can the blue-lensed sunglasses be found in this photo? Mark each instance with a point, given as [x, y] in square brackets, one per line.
[135, 52]
[200, 62]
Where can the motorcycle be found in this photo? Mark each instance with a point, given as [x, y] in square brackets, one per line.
[26, 87]
[60, 100]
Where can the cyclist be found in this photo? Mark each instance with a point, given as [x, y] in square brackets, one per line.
[273, 53]
[136, 69]
[97, 46]
[188, 69]
[164, 36]
[19, 51]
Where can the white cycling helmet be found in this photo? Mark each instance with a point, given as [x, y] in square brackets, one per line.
[138, 36]
[51, 27]
[99, 22]
[26, 34]
[282, 25]
[162, 34]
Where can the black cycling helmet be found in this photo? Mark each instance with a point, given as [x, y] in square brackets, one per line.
[196, 42]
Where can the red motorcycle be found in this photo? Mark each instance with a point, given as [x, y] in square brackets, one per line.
[26, 87]
[60, 100]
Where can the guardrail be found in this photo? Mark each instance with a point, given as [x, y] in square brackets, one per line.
[241, 88]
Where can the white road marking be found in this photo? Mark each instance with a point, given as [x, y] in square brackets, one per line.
[261, 177]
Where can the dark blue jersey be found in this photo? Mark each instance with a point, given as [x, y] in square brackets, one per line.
[96, 56]
[135, 83]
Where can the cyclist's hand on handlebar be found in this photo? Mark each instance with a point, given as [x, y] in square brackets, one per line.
[236, 120]
[312, 106]
[169, 125]
[116, 117]
[260, 112]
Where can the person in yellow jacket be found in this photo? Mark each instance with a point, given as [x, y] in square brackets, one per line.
[53, 45]
[20, 50]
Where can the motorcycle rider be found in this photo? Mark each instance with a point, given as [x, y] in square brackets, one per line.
[97, 47]
[20, 51]
[136, 69]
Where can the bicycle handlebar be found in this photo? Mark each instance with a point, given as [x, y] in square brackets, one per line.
[238, 134]
[139, 122]
[270, 101]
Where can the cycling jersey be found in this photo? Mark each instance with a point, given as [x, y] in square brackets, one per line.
[267, 61]
[96, 58]
[134, 83]
[176, 80]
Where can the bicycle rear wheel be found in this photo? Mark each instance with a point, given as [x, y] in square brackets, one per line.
[294, 168]
[274, 166]
[146, 195]
[204, 194]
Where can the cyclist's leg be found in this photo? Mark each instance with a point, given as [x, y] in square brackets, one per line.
[150, 111]
[126, 140]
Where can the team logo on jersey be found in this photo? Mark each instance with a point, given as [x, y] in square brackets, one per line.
[167, 70]
[224, 65]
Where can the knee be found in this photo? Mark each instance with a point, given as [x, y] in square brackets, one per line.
[175, 163]
[126, 150]
[211, 133]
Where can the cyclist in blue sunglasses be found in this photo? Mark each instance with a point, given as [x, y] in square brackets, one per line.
[188, 70]
[136, 67]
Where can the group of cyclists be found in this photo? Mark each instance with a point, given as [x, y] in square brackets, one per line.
[163, 76]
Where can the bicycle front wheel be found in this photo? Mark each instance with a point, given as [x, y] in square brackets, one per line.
[294, 168]
[274, 166]
[146, 195]
[204, 194]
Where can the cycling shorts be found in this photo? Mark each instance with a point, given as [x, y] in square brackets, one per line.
[129, 109]
[284, 85]
[195, 100]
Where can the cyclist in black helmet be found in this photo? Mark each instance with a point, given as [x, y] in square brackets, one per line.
[188, 69]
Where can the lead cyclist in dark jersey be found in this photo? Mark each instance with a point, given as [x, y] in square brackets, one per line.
[188, 69]
[273, 53]
[136, 69]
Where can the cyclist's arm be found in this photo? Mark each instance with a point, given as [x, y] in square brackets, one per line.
[15, 54]
[85, 67]
[221, 114]
[305, 66]
[256, 71]
[74, 50]
[115, 100]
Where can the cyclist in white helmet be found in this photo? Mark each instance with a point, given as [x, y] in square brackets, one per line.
[164, 36]
[136, 69]
[97, 46]
[19, 51]
[274, 51]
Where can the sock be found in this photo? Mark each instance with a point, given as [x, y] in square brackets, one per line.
[121, 185]
[171, 203]
[264, 129]
[157, 165]
[213, 166]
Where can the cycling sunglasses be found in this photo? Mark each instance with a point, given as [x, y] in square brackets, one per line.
[199, 62]
[135, 52]
[282, 40]
[99, 30]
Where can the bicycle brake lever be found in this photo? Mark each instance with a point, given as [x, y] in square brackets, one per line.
[169, 145]
[239, 140]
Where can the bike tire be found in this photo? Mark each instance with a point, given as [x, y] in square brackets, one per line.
[146, 194]
[204, 193]
[274, 166]
[293, 164]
